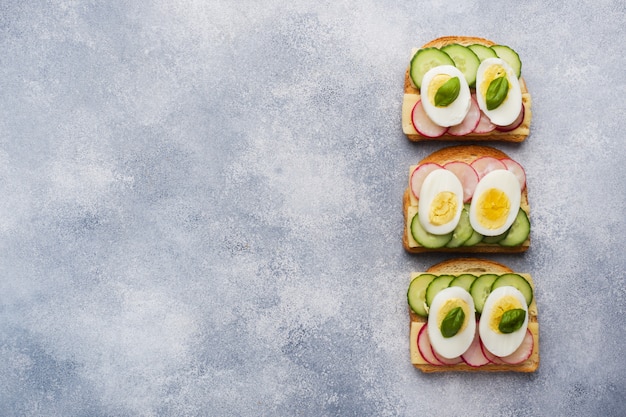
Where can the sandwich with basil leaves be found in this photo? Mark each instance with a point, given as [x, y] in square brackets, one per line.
[465, 88]
[472, 315]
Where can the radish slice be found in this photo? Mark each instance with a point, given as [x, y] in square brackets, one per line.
[447, 361]
[486, 164]
[468, 124]
[423, 124]
[424, 347]
[517, 169]
[523, 352]
[474, 355]
[418, 176]
[491, 357]
[467, 175]
[515, 124]
[484, 124]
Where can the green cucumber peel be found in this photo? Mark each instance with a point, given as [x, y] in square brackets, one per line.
[496, 92]
[448, 92]
[453, 321]
[512, 320]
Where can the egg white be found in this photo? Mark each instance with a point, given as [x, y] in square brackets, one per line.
[439, 180]
[507, 112]
[507, 182]
[455, 112]
[501, 344]
[451, 347]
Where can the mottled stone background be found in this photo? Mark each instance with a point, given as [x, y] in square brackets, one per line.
[201, 208]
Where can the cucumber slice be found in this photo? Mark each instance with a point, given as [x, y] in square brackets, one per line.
[494, 239]
[518, 232]
[436, 285]
[474, 239]
[462, 231]
[464, 281]
[510, 56]
[465, 60]
[426, 239]
[483, 52]
[416, 295]
[480, 289]
[517, 281]
[424, 60]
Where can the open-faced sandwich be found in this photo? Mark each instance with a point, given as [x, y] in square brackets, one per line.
[473, 315]
[465, 88]
[466, 198]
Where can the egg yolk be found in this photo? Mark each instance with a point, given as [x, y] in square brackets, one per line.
[493, 208]
[491, 73]
[443, 208]
[437, 81]
[451, 304]
[506, 303]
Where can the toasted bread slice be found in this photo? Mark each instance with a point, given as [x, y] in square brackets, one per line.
[468, 154]
[476, 267]
[412, 96]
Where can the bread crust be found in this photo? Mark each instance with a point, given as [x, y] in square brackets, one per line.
[412, 95]
[477, 266]
[468, 154]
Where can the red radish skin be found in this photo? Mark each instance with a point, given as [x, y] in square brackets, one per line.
[425, 348]
[517, 169]
[523, 352]
[469, 123]
[418, 176]
[448, 361]
[491, 357]
[423, 124]
[515, 124]
[484, 124]
[467, 175]
[486, 164]
[474, 355]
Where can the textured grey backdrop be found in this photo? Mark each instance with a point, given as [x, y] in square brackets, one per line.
[201, 208]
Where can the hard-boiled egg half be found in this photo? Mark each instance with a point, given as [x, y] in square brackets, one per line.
[445, 95]
[498, 91]
[440, 202]
[503, 321]
[495, 203]
[451, 322]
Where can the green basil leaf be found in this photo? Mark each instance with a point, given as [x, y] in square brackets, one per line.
[512, 320]
[496, 92]
[453, 321]
[448, 92]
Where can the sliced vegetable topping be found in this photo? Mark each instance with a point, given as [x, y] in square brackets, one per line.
[465, 60]
[483, 52]
[416, 294]
[510, 56]
[469, 123]
[485, 164]
[474, 355]
[424, 60]
[467, 175]
[425, 348]
[423, 124]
